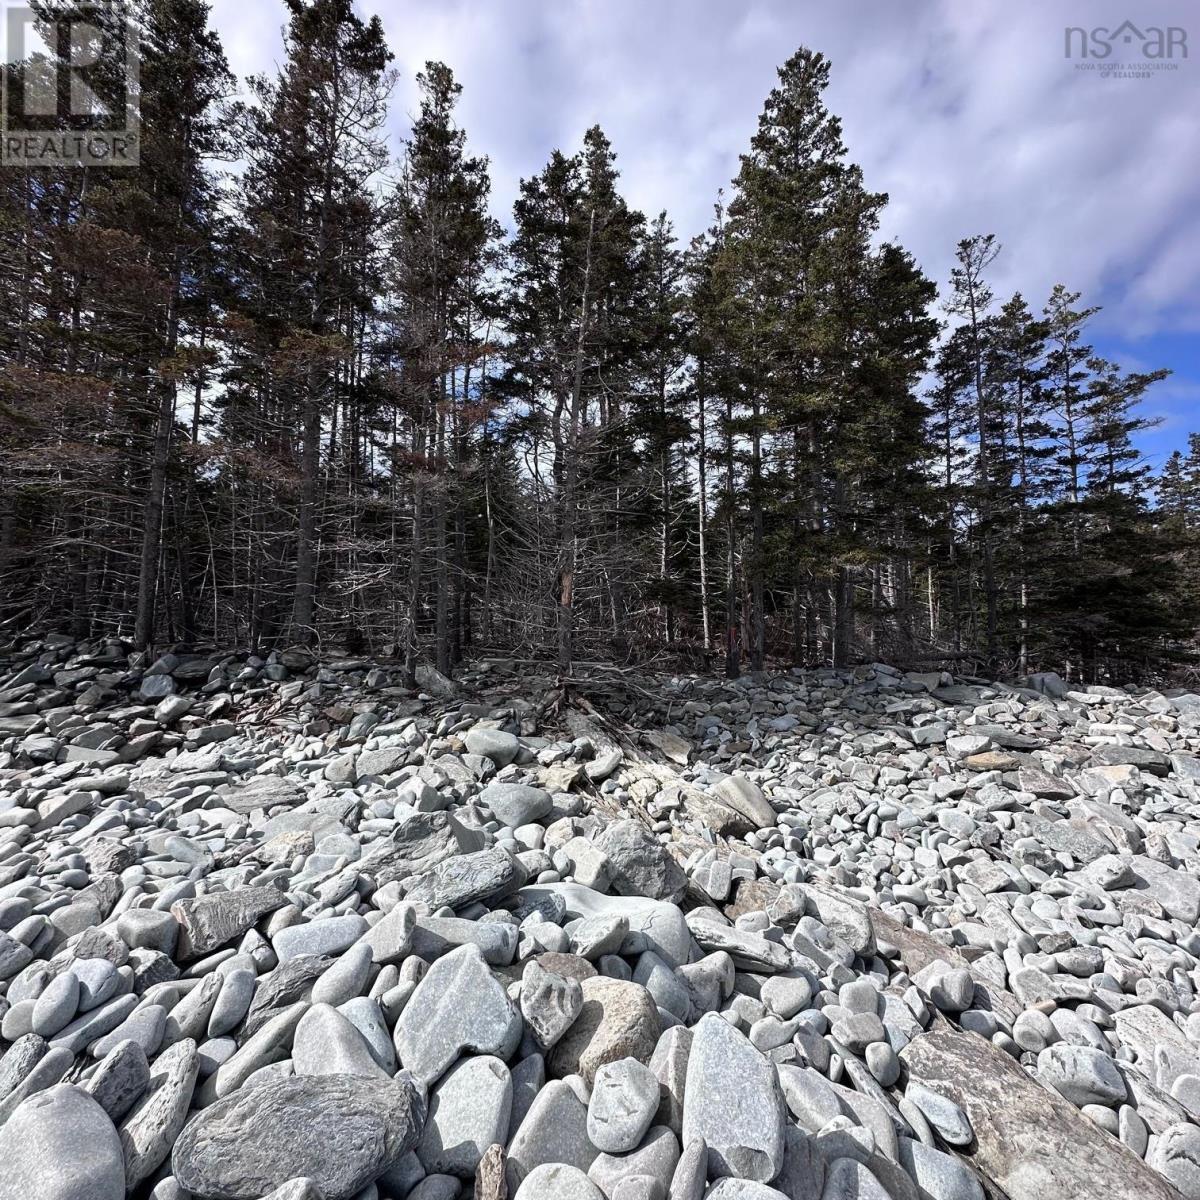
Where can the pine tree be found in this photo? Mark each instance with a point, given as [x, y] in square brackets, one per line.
[970, 299]
[661, 423]
[800, 224]
[174, 208]
[572, 351]
[443, 245]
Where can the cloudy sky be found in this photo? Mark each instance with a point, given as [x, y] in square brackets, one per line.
[967, 112]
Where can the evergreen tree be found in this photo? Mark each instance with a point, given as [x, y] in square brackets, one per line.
[661, 421]
[443, 246]
[312, 144]
[573, 350]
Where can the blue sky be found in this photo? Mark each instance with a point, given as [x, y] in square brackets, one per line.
[967, 112]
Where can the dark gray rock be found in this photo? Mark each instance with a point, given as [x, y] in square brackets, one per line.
[121, 1079]
[209, 922]
[150, 1130]
[342, 1132]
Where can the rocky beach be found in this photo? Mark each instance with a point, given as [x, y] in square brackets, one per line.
[281, 927]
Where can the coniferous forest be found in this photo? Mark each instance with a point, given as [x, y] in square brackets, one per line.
[288, 382]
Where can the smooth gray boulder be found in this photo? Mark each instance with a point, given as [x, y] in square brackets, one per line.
[390, 938]
[558, 1181]
[326, 1043]
[746, 797]
[732, 1100]
[939, 1174]
[515, 804]
[330, 935]
[468, 1112]
[554, 1131]
[56, 1007]
[61, 1145]
[1082, 1074]
[496, 744]
[623, 1103]
[459, 1005]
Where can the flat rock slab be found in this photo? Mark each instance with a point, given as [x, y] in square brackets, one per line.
[1177, 891]
[208, 922]
[1029, 1142]
[342, 1132]
[487, 876]
[263, 791]
[917, 950]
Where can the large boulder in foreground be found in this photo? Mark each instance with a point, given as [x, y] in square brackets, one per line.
[340, 1131]
[733, 1101]
[60, 1145]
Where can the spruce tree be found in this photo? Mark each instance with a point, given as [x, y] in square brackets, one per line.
[313, 142]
